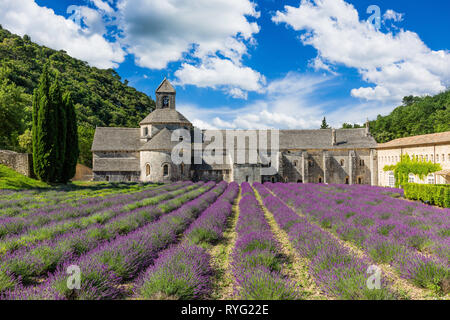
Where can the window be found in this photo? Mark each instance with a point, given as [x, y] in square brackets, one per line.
[246, 178]
[273, 179]
[165, 101]
[426, 157]
[361, 163]
[145, 131]
[437, 158]
[147, 169]
[421, 157]
[359, 180]
[166, 170]
[391, 179]
[431, 179]
[342, 162]
[411, 178]
[182, 169]
[311, 163]
[107, 178]
[432, 158]
[320, 180]
[443, 157]
[296, 163]
[347, 180]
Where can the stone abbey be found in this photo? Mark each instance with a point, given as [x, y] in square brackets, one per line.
[344, 156]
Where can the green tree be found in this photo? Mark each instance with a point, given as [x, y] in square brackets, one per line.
[60, 123]
[12, 107]
[86, 136]
[45, 143]
[324, 124]
[26, 141]
[72, 148]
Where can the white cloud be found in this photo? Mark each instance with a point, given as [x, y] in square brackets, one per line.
[54, 31]
[213, 33]
[287, 104]
[215, 72]
[396, 64]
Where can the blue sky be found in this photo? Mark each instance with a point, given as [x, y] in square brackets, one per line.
[255, 64]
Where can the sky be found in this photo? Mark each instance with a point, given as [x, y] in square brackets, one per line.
[243, 64]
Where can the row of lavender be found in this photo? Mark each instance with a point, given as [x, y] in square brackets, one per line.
[17, 238]
[106, 268]
[33, 220]
[31, 204]
[25, 264]
[13, 203]
[412, 237]
[184, 271]
[257, 259]
[336, 270]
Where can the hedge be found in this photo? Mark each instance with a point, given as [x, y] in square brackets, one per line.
[434, 194]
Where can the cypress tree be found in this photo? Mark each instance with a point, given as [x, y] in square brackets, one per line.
[72, 150]
[60, 126]
[45, 137]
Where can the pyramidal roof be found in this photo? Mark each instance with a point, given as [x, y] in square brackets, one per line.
[166, 116]
[165, 87]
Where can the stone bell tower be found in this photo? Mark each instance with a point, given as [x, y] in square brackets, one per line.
[165, 95]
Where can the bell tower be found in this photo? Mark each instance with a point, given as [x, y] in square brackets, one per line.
[165, 95]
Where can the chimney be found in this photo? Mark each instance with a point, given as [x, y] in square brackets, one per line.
[367, 128]
[333, 137]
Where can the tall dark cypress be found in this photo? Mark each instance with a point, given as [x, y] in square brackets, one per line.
[60, 126]
[44, 146]
[72, 150]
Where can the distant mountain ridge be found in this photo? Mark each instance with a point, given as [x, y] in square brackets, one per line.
[101, 98]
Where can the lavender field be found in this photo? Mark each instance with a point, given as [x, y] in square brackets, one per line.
[210, 240]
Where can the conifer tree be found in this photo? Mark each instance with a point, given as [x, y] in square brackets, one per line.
[60, 126]
[72, 150]
[44, 131]
[324, 124]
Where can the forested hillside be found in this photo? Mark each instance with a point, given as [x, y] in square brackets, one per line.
[101, 98]
[417, 115]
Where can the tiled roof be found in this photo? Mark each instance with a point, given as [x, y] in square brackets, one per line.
[166, 116]
[116, 139]
[434, 138]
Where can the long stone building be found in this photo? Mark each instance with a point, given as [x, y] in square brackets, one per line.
[433, 147]
[318, 156]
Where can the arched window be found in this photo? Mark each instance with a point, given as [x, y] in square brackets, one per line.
[166, 170]
[411, 178]
[342, 162]
[347, 180]
[145, 131]
[182, 169]
[147, 169]
[296, 163]
[320, 180]
[431, 179]
[246, 178]
[165, 101]
[360, 180]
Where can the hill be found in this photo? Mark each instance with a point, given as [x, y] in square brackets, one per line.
[101, 98]
[10, 179]
[417, 116]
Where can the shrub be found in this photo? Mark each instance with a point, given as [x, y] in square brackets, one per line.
[438, 195]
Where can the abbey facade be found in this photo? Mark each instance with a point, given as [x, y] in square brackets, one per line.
[344, 156]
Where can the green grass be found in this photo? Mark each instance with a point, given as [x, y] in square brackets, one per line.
[10, 179]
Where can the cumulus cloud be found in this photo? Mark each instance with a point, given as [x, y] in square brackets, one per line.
[287, 104]
[396, 65]
[88, 44]
[213, 34]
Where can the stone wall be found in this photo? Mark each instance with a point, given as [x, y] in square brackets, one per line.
[20, 162]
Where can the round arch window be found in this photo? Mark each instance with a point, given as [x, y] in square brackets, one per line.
[166, 170]
[147, 169]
